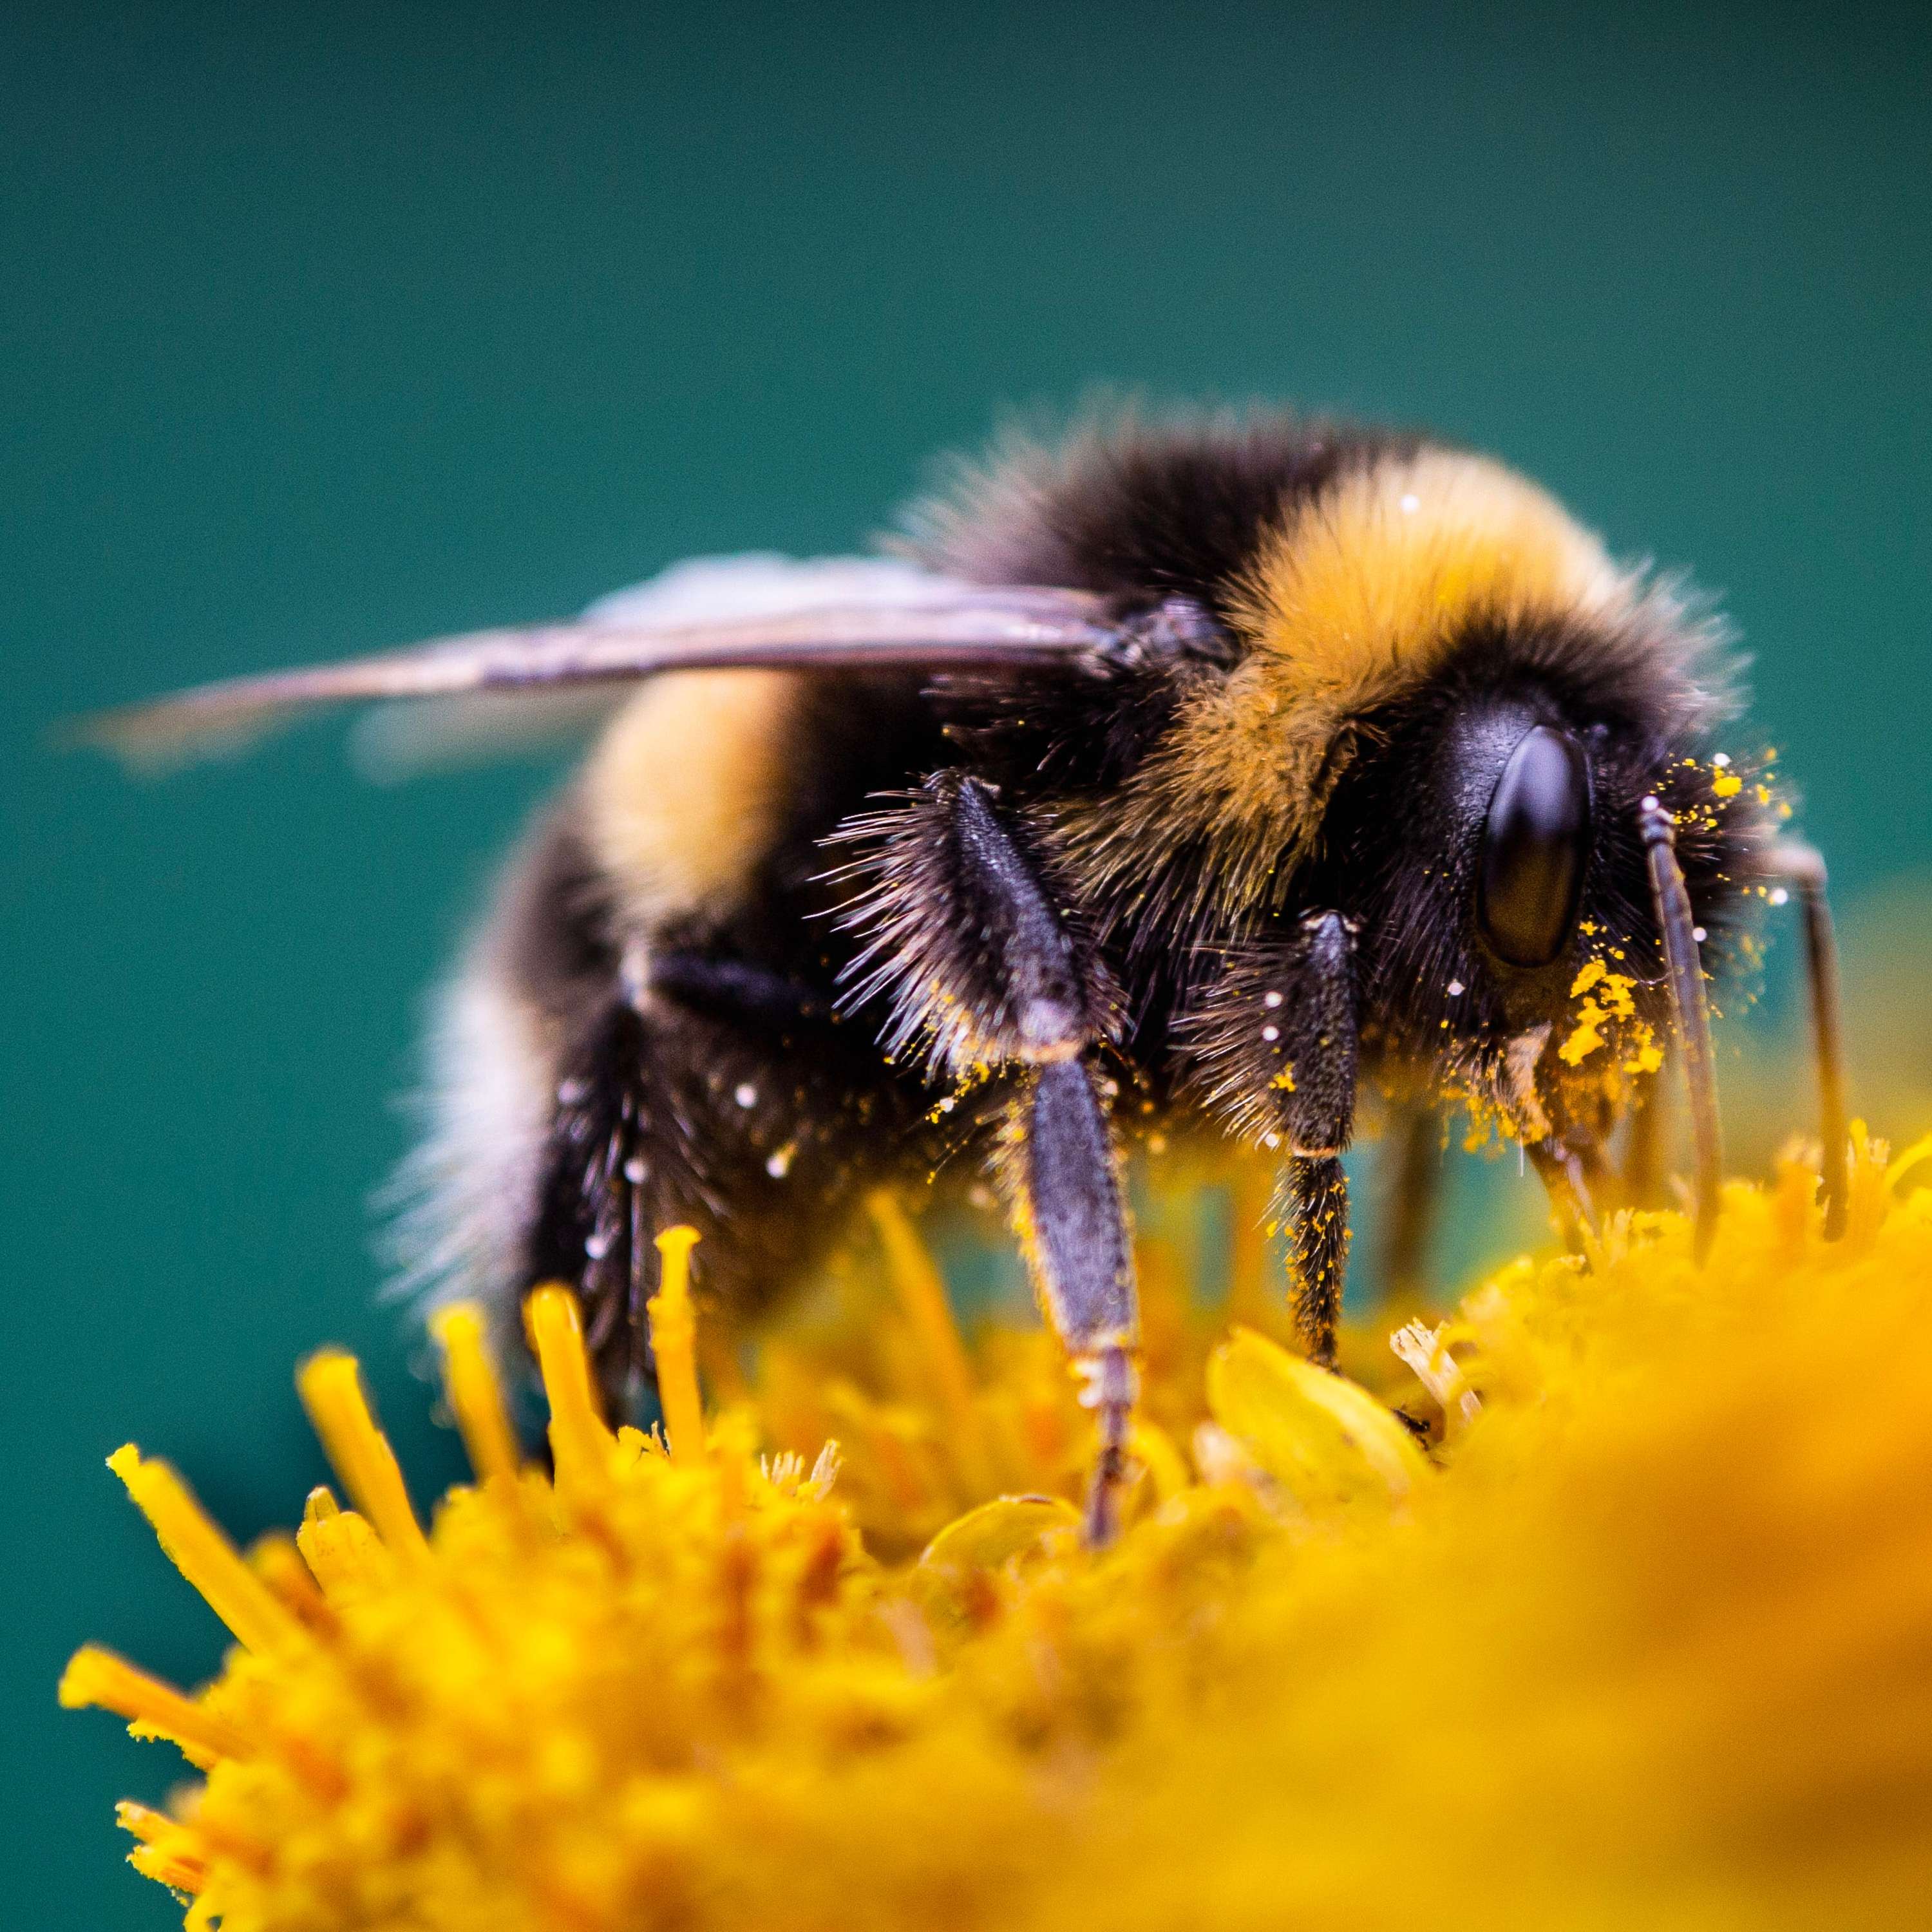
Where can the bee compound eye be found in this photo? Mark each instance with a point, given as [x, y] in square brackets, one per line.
[1536, 838]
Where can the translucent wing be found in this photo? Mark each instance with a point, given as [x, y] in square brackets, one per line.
[393, 742]
[754, 612]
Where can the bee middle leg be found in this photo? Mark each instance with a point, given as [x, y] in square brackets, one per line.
[965, 932]
[1319, 1045]
[1275, 1046]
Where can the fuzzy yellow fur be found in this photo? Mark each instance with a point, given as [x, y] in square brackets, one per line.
[1354, 598]
[682, 792]
[1351, 602]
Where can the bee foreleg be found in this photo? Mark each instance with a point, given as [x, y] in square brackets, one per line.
[967, 935]
[1062, 1179]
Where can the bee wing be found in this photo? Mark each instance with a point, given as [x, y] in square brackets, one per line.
[766, 612]
[393, 742]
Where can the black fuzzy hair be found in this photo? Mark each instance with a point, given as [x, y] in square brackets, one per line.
[1136, 508]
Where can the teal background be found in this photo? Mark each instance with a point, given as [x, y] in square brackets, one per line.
[324, 328]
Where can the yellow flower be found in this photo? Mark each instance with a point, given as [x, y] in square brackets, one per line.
[1634, 1627]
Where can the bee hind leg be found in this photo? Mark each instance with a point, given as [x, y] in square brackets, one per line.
[611, 1179]
[706, 1091]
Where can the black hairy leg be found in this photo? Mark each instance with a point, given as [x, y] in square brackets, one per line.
[610, 1180]
[967, 935]
[718, 1093]
[986, 971]
[732, 990]
[1314, 1198]
[1274, 1048]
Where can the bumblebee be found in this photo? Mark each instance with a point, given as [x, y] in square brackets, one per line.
[1229, 770]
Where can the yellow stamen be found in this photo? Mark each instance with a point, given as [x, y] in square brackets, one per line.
[1902, 1165]
[1154, 1449]
[143, 1820]
[578, 1440]
[168, 1852]
[921, 1299]
[95, 1675]
[197, 1548]
[1309, 1429]
[1422, 1349]
[707, 1692]
[470, 1380]
[674, 1346]
[338, 1546]
[331, 1391]
[278, 1560]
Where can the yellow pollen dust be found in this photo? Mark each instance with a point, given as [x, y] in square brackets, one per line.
[1608, 1001]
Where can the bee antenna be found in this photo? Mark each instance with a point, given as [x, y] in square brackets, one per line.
[1685, 970]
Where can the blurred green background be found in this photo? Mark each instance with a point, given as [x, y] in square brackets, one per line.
[326, 328]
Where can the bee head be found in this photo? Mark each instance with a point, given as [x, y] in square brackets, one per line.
[1488, 833]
